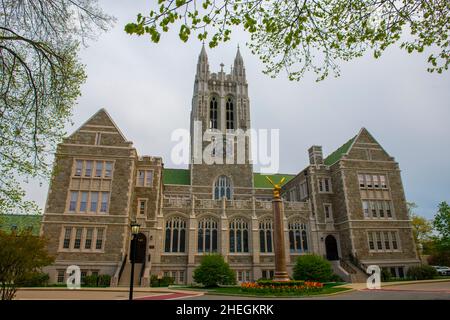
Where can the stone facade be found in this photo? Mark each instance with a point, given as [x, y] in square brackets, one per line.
[100, 184]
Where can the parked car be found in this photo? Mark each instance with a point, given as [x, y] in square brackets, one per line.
[442, 270]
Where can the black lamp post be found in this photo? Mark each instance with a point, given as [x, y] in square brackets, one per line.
[134, 231]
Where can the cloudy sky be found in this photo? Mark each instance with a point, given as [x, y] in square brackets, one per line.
[147, 89]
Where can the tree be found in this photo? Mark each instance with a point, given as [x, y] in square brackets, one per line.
[300, 36]
[421, 227]
[22, 256]
[441, 224]
[213, 270]
[312, 267]
[40, 79]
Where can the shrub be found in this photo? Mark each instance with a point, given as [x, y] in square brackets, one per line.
[313, 268]
[385, 274]
[213, 270]
[36, 279]
[102, 280]
[163, 282]
[439, 258]
[421, 272]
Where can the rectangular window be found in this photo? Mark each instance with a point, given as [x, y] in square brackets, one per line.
[88, 169]
[174, 276]
[264, 274]
[94, 201]
[327, 185]
[181, 277]
[366, 208]
[67, 237]
[104, 205]
[83, 276]
[142, 206]
[371, 243]
[88, 242]
[140, 178]
[60, 276]
[379, 241]
[394, 240]
[98, 168]
[375, 181]
[83, 202]
[320, 185]
[73, 201]
[77, 243]
[374, 209]
[328, 213]
[387, 205]
[240, 276]
[380, 208]
[78, 168]
[369, 181]
[99, 240]
[361, 181]
[166, 274]
[387, 244]
[148, 178]
[383, 182]
[108, 169]
[98, 137]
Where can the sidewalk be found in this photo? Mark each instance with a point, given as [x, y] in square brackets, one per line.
[362, 286]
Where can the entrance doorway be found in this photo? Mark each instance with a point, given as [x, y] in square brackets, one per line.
[141, 247]
[331, 248]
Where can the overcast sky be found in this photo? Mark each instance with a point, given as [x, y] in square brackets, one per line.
[147, 89]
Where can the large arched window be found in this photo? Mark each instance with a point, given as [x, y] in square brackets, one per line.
[223, 188]
[298, 240]
[230, 113]
[238, 235]
[266, 235]
[207, 235]
[213, 113]
[175, 235]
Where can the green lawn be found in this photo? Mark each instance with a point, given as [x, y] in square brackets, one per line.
[327, 289]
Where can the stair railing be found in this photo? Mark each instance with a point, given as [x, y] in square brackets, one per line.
[141, 274]
[122, 267]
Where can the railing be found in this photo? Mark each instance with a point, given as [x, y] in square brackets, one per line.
[239, 204]
[122, 267]
[141, 273]
[296, 205]
[355, 261]
[176, 202]
[346, 266]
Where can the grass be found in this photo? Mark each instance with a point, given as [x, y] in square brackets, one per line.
[328, 288]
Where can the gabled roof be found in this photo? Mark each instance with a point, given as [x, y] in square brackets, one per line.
[177, 176]
[100, 113]
[21, 222]
[337, 154]
[260, 181]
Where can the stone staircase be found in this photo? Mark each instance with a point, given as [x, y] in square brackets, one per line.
[126, 274]
[348, 271]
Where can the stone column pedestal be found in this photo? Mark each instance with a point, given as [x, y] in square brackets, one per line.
[278, 241]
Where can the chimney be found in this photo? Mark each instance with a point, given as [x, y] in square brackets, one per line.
[315, 155]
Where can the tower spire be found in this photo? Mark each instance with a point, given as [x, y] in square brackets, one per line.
[239, 70]
[203, 64]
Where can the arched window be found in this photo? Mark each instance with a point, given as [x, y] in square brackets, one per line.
[175, 235]
[298, 241]
[266, 236]
[238, 235]
[207, 235]
[230, 113]
[222, 188]
[213, 113]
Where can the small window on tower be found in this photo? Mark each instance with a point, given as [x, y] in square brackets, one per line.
[213, 113]
[230, 114]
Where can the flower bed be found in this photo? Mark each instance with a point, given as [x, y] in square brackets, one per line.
[268, 287]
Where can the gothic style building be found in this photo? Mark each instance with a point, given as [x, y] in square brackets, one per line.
[348, 207]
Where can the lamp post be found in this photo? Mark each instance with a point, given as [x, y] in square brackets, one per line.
[134, 231]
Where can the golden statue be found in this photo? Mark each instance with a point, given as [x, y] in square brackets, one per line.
[276, 187]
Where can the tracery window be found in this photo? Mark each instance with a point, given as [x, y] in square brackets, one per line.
[230, 114]
[175, 235]
[223, 188]
[207, 235]
[266, 235]
[298, 239]
[213, 113]
[238, 235]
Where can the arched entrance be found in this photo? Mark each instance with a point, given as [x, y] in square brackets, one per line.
[141, 247]
[331, 248]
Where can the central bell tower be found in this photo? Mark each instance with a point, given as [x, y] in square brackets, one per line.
[220, 123]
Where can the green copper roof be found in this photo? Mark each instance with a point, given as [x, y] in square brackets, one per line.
[21, 221]
[337, 155]
[260, 181]
[177, 176]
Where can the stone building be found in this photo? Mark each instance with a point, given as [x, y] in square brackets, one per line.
[349, 207]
